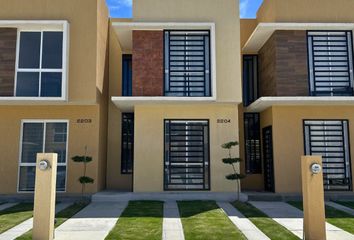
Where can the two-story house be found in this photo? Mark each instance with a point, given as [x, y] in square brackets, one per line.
[175, 83]
[53, 90]
[151, 99]
[297, 93]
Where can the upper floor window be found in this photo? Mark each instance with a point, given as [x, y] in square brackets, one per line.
[330, 58]
[33, 60]
[187, 63]
[40, 64]
[127, 72]
[250, 79]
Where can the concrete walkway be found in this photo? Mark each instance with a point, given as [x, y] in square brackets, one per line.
[27, 225]
[341, 207]
[172, 225]
[242, 223]
[94, 222]
[7, 205]
[292, 219]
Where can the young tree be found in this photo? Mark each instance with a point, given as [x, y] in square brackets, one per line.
[84, 179]
[235, 176]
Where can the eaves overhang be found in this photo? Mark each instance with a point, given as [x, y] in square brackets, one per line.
[124, 30]
[264, 31]
[128, 104]
[263, 103]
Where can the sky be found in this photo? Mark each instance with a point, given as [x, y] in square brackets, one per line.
[123, 8]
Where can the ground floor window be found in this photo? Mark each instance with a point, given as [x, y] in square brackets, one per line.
[39, 137]
[186, 155]
[127, 143]
[330, 139]
[252, 137]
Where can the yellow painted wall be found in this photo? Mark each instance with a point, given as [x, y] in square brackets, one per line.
[289, 144]
[86, 18]
[149, 142]
[225, 14]
[115, 180]
[79, 136]
[306, 11]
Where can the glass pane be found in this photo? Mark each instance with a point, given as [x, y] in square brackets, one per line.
[27, 84]
[51, 85]
[55, 140]
[30, 44]
[27, 178]
[52, 55]
[61, 178]
[32, 142]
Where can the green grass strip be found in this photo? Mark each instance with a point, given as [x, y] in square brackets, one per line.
[13, 216]
[264, 223]
[334, 216]
[204, 220]
[141, 220]
[61, 217]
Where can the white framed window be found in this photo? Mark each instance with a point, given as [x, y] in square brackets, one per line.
[41, 68]
[40, 136]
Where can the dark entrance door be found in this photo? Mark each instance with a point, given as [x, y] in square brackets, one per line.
[268, 159]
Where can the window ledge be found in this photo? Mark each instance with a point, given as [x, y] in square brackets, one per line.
[30, 100]
[266, 102]
[128, 103]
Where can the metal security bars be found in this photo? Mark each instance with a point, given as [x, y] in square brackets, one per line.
[330, 63]
[250, 79]
[186, 155]
[252, 134]
[330, 139]
[267, 134]
[187, 63]
[127, 143]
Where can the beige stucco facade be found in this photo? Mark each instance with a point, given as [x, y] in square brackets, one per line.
[87, 89]
[149, 143]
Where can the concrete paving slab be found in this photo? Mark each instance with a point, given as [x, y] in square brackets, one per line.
[292, 219]
[242, 223]
[341, 207]
[172, 226]
[94, 222]
[7, 205]
[27, 225]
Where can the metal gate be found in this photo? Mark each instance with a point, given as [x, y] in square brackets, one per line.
[268, 159]
[186, 155]
[330, 139]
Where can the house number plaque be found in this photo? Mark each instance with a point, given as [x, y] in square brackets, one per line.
[224, 121]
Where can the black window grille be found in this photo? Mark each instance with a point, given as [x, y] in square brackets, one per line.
[330, 139]
[187, 63]
[253, 159]
[127, 71]
[330, 63]
[250, 79]
[127, 143]
[186, 155]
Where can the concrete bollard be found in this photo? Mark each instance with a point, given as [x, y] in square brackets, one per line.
[313, 198]
[44, 196]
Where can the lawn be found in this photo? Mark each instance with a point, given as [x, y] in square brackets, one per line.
[267, 225]
[204, 220]
[141, 220]
[335, 217]
[61, 217]
[13, 216]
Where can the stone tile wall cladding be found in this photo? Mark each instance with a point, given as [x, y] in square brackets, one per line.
[147, 63]
[283, 67]
[8, 37]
